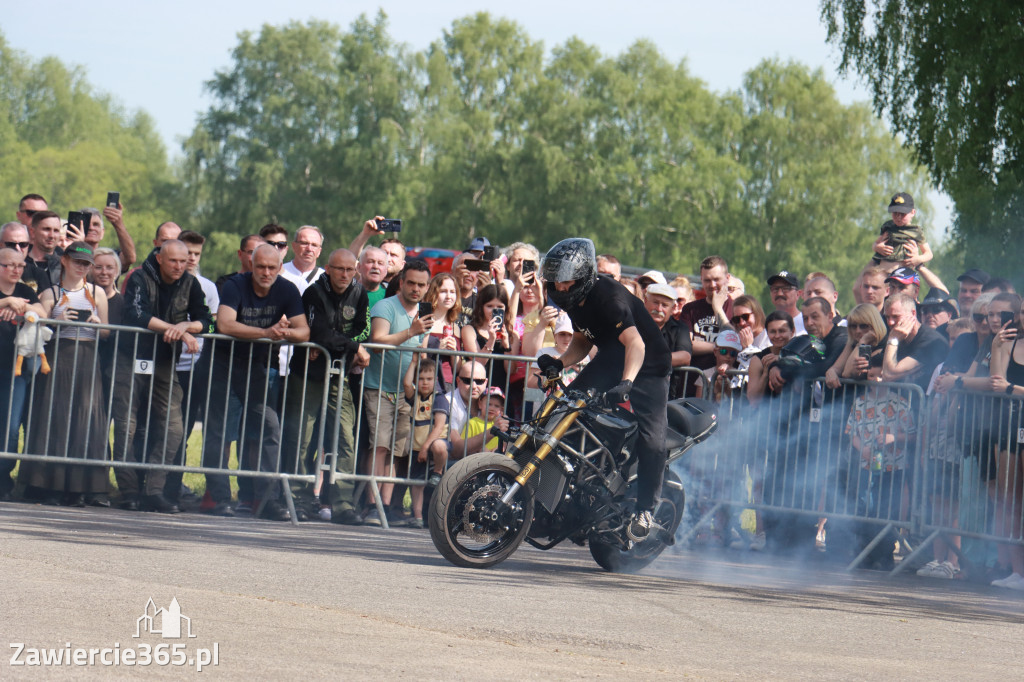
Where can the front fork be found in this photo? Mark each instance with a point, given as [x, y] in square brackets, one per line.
[550, 440]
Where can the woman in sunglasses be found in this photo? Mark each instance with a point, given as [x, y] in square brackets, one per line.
[748, 321]
[865, 327]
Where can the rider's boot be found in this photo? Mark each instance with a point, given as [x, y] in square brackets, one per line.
[640, 525]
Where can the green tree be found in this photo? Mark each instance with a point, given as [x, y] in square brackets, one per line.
[819, 175]
[61, 139]
[948, 75]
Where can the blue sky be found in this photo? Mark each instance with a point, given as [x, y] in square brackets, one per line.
[156, 56]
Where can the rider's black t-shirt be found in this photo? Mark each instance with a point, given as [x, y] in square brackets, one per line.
[608, 310]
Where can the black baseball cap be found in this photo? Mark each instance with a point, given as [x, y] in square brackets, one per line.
[937, 298]
[787, 277]
[901, 203]
[976, 275]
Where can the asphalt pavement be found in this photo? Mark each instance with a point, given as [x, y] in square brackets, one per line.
[274, 601]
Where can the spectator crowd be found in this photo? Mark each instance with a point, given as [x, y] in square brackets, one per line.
[244, 356]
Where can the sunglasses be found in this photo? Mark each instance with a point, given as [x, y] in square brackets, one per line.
[728, 351]
[29, 212]
[858, 325]
[280, 245]
[979, 318]
[468, 381]
[17, 245]
[736, 319]
[16, 266]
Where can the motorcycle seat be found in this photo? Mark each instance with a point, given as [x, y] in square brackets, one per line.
[692, 417]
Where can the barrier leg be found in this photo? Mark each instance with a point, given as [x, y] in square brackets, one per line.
[290, 501]
[704, 520]
[380, 505]
[909, 559]
[871, 545]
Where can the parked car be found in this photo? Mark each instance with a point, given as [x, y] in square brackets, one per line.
[439, 260]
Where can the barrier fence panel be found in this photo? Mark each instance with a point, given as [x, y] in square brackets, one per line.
[114, 398]
[807, 453]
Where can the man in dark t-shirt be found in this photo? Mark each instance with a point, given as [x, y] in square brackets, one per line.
[253, 305]
[705, 317]
[632, 362]
[912, 351]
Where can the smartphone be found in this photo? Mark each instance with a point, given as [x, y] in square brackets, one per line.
[80, 219]
[529, 266]
[113, 199]
[81, 314]
[1006, 317]
[389, 225]
[864, 350]
[499, 315]
[490, 253]
[426, 309]
[476, 265]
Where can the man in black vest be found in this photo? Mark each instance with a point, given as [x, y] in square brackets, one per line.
[336, 309]
[163, 297]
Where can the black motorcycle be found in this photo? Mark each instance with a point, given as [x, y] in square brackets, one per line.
[567, 474]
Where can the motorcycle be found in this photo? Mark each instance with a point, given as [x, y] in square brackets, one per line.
[566, 474]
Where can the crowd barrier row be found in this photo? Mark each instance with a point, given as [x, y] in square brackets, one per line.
[109, 404]
[947, 472]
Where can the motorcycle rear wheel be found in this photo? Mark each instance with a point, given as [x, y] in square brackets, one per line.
[668, 514]
[469, 524]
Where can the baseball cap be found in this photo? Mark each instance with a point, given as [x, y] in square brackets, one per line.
[901, 203]
[659, 289]
[79, 251]
[787, 277]
[563, 324]
[727, 338]
[478, 244]
[979, 276]
[653, 276]
[937, 298]
[493, 390]
[904, 276]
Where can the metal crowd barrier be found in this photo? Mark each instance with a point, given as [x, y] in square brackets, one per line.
[68, 443]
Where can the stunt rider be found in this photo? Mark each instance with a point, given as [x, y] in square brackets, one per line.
[632, 364]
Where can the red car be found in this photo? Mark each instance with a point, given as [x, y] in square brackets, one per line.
[439, 260]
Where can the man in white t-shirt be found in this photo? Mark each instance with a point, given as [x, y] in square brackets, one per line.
[302, 271]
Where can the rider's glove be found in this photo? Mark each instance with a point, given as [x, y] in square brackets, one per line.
[618, 394]
[549, 366]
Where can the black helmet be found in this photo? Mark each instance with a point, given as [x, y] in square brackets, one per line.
[572, 259]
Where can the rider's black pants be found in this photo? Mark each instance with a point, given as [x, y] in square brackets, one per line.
[649, 399]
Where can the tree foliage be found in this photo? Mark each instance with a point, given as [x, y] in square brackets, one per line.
[949, 77]
[60, 139]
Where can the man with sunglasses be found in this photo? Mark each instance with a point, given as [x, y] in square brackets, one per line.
[29, 205]
[445, 438]
[276, 236]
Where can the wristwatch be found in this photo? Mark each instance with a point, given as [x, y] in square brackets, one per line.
[894, 341]
[959, 383]
[1009, 389]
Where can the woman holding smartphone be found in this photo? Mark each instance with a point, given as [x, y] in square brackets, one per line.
[1007, 377]
[445, 334]
[491, 331]
[69, 417]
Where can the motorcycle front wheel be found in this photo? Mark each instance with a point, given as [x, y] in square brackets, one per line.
[669, 512]
[469, 524]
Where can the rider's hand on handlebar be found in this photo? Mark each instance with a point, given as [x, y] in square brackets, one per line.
[618, 393]
[550, 366]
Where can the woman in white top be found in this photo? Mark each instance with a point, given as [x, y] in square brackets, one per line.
[69, 416]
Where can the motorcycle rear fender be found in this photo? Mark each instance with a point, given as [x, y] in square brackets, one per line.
[690, 421]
